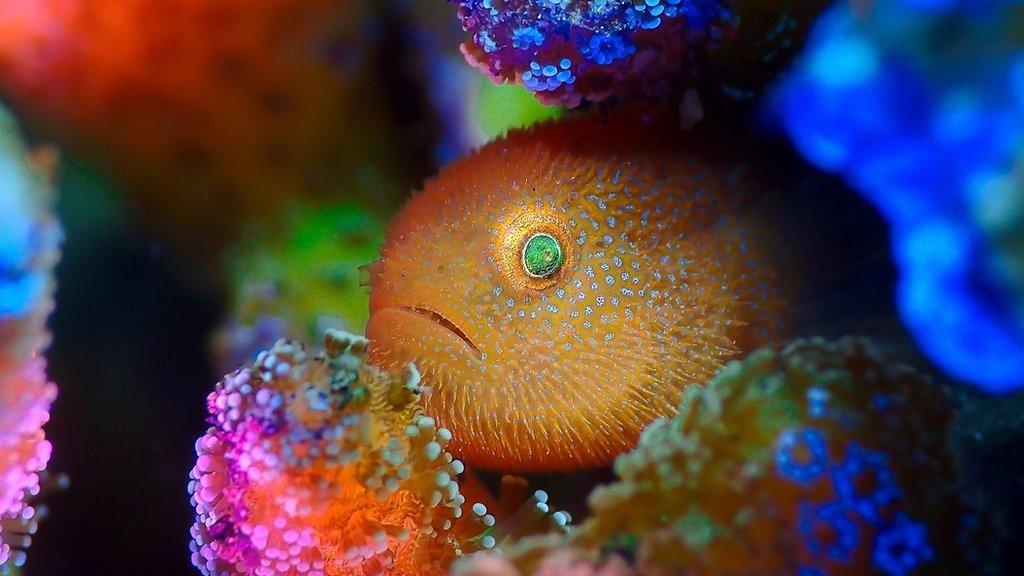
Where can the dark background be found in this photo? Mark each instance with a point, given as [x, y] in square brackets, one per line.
[130, 357]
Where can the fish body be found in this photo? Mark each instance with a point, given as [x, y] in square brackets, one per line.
[672, 261]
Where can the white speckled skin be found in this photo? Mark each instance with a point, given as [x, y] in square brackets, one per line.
[665, 278]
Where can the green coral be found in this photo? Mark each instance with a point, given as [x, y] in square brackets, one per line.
[500, 108]
[305, 268]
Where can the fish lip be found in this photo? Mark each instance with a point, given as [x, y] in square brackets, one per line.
[441, 320]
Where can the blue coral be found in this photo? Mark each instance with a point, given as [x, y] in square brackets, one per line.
[527, 36]
[25, 234]
[607, 48]
[549, 77]
[922, 131]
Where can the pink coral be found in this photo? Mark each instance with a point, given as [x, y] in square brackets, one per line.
[25, 397]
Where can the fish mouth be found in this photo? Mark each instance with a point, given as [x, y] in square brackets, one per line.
[439, 319]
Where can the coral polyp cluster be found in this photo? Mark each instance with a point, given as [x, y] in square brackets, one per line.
[29, 238]
[324, 465]
[819, 459]
[568, 50]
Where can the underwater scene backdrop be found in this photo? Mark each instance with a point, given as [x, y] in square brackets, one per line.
[511, 287]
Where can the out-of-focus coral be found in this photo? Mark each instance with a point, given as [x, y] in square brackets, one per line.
[469, 109]
[567, 50]
[209, 112]
[545, 557]
[1000, 213]
[297, 276]
[819, 459]
[921, 107]
[325, 465]
[29, 239]
[472, 110]
[768, 35]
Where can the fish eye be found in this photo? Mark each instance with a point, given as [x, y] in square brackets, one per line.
[542, 256]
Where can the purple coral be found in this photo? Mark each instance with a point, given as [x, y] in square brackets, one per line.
[565, 51]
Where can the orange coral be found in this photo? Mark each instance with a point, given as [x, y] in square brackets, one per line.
[211, 111]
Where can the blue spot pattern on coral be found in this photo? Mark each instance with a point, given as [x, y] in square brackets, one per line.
[790, 464]
[567, 50]
[860, 463]
[864, 510]
[841, 528]
[902, 546]
[920, 105]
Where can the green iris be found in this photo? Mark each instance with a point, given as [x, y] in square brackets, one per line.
[542, 256]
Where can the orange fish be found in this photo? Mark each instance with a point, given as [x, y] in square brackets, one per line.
[558, 288]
